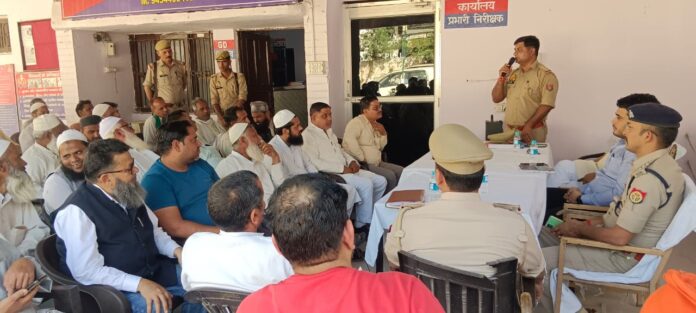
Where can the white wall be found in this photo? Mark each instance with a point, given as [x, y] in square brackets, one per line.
[21, 11]
[336, 55]
[96, 85]
[600, 51]
[294, 39]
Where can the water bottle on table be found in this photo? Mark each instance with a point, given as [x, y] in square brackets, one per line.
[433, 192]
[484, 185]
[534, 148]
[517, 140]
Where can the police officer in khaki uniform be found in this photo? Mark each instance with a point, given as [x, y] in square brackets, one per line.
[460, 230]
[650, 200]
[227, 88]
[530, 91]
[167, 76]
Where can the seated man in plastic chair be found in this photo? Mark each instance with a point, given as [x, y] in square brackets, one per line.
[647, 205]
[108, 236]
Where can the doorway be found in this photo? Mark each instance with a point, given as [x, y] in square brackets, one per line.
[274, 65]
[393, 55]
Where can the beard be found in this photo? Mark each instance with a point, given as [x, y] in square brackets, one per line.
[134, 141]
[20, 186]
[262, 125]
[131, 195]
[71, 174]
[53, 145]
[295, 140]
[254, 152]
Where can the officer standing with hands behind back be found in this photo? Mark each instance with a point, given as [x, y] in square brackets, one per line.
[167, 77]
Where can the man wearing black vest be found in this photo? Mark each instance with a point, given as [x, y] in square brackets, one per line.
[106, 234]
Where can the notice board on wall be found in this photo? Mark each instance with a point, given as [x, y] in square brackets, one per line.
[45, 85]
[39, 49]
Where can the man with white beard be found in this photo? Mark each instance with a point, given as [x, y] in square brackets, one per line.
[117, 128]
[232, 115]
[288, 143]
[19, 222]
[250, 153]
[26, 137]
[42, 156]
[72, 146]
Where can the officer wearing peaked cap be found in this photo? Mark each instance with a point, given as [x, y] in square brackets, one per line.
[460, 230]
[167, 77]
[227, 88]
[650, 200]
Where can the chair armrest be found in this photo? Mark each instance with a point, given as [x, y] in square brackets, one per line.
[597, 244]
[108, 298]
[585, 207]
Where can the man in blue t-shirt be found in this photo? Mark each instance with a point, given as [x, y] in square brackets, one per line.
[177, 184]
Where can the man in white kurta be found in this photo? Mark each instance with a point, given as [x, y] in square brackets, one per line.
[42, 156]
[26, 136]
[239, 257]
[252, 154]
[321, 145]
[72, 148]
[207, 128]
[117, 128]
[288, 144]
[19, 222]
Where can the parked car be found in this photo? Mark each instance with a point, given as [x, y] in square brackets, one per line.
[388, 83]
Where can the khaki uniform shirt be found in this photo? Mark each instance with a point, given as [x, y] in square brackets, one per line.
[171, 82]
[461, 231]
[363, 142]
[645, 208]
[526, 91]
[226, 91]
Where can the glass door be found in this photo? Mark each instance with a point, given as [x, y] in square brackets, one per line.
[393, 55]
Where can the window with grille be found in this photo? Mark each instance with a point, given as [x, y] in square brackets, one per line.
[4, 36]
[195, 50]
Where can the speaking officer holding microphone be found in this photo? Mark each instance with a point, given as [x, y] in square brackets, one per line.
[530, 91]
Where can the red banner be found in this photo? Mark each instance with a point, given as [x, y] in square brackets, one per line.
[9, 121]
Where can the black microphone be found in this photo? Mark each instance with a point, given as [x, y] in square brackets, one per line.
[509, 64]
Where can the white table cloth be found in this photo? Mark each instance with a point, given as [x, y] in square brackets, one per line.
[506, 184]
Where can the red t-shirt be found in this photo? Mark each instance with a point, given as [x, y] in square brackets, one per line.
[344, 290]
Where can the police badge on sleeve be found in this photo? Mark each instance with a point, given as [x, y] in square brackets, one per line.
[636, 196]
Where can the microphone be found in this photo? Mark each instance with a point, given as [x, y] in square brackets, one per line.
[509, 64]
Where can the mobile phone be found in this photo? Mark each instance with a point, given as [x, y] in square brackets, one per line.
[36, 283]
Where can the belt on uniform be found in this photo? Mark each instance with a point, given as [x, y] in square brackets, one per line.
[537, 125]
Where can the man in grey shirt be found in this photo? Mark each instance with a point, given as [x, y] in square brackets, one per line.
[72, 146]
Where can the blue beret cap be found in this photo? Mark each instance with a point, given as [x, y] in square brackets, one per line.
[654, 114]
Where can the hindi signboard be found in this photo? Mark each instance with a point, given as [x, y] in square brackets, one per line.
[76, 9]
[475, 13]
[9, 121]
[44, 85]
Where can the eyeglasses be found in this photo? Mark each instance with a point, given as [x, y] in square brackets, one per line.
[129, 170]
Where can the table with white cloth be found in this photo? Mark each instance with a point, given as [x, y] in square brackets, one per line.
[507, 184]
